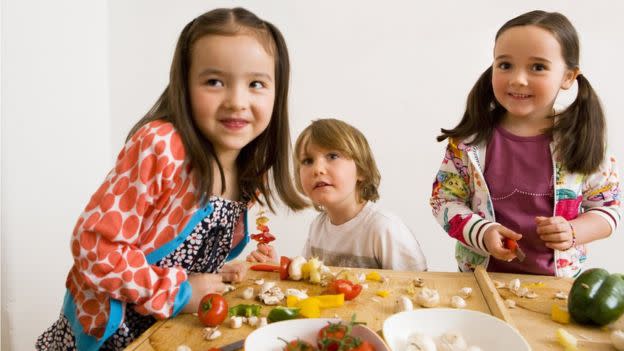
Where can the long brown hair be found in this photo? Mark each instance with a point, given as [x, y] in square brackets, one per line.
[579, 130]
[269, 153]
[337, 135]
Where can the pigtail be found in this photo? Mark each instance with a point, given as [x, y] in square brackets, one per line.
[580, 131]
[482, 112]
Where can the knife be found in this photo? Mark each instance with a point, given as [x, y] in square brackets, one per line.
[236, 345]
[513, 246]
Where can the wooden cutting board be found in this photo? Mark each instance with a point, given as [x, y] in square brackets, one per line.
[368, 307]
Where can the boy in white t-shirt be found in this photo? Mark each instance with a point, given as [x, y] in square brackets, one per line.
[337, 172]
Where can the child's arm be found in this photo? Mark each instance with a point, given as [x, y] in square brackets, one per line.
[451, 199]
[602, 212]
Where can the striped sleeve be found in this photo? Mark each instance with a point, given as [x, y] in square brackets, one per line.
[601, 193]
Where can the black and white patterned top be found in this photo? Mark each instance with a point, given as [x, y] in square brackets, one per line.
[204, 251]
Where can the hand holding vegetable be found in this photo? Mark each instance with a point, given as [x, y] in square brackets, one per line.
[263, 253]
[494, 238]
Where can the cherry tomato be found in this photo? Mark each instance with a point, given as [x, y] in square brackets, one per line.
[298, 345]
[346, 287]
[330, 336]
[361, 346]
[213, 309]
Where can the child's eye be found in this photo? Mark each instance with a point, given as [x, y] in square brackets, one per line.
[306, 161]
[538, 67]
[214, 83]
[256, 84]
[504, 65]
[333, 155]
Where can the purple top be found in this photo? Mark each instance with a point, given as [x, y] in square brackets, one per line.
[519, 175]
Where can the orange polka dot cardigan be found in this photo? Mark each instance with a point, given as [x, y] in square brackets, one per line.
[144, 210]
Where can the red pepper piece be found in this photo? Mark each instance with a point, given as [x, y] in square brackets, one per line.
[263, 238]
[346, 287]
[283, 268]
[263, 267]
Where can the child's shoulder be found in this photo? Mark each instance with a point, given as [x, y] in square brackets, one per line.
[381, 217]
[159, 136]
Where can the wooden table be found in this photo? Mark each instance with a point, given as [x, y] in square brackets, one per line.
[531, 317]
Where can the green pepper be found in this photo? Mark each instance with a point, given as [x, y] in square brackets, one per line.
[281, 313]
[244, 310]
[596, 297]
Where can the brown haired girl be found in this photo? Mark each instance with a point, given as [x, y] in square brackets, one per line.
[545, 184]
[155, 237]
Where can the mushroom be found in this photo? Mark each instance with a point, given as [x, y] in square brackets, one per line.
[451, 341]
[403, 303]
[420, 342]
[294, 269]
[183, 348]
[465, 292]
[236, 322]
[510, 303]
[248, 293]
[428, 297]
[458, 302]
[211, 333]
[300, 294]
[271, 296]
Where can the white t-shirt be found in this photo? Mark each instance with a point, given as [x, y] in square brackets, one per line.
[372, 239]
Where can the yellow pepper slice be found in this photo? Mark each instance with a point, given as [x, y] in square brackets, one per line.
[559, 314]
[329, 301]
[383, 293]
[373, 276]
[310, 307]
[292, 301]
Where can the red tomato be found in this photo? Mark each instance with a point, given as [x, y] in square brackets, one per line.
[361, 346]
[330, 336]
[213, 309]
[299, 345]
[346, 287]
[283, 270]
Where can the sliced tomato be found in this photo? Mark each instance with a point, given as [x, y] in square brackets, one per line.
[346, 287]
[283, 268]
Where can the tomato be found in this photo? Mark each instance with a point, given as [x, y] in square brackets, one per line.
[298, 345]
[213, 309]
[346, 287]
[330, 336]
[283, 270]
[361, 346]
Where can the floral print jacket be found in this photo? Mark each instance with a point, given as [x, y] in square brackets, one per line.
[461, 203]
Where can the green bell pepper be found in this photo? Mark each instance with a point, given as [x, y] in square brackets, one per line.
[281, 313]
[243, 310]
[596, 297]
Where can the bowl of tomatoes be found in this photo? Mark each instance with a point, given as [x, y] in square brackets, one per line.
[314, 334]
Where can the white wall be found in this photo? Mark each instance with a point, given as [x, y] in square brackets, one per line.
[397, 70]
[55, 150]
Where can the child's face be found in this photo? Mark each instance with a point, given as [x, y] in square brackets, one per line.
[528, 72]
[328, 178]
[232, 90]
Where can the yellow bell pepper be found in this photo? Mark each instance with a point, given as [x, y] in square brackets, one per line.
[292, 301]
[310, 307]
[373, 276]
[329, 301]
[383, 293]
[559, 314]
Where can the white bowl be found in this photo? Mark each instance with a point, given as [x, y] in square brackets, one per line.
[477, 328]
[266, 338]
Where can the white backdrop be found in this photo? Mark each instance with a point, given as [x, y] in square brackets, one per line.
[77, 75]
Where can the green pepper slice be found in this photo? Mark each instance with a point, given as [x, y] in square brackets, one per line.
[281, 313]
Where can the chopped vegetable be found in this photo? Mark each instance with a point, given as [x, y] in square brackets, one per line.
[244, 310]
[382, 293]
[212, 310]
[428, 297]
[567, 340]
[346, 287]
[373, 276]
[281, 313]
[403, 303]
[559, 314]
[310, 307]
[458, 302]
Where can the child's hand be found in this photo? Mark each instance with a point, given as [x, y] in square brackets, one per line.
[202, 284]
[264, 253]
[493, 239]
[556, 232]
[233, 272]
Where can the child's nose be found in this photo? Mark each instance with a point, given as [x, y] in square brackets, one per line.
[236, 98]
[519, 77]
[319, 168]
